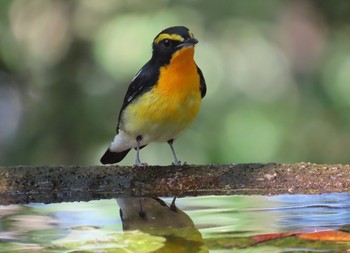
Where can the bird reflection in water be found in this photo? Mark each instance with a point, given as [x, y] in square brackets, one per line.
[155, 217]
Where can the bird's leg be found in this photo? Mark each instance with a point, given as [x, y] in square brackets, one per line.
[142, 212]
[172, 205]
[138, 161]
[176, 162]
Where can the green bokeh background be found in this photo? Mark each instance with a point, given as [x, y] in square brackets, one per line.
[277, 72]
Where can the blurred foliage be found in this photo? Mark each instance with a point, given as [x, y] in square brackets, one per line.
[277, 74]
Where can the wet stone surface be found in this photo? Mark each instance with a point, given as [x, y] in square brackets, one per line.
[52, 184]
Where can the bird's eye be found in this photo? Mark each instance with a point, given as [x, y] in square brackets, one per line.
[166, 43]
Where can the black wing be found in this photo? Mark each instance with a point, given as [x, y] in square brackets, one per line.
[202, 85]
[143, 81]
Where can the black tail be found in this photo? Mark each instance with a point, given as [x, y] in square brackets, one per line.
[110, 157]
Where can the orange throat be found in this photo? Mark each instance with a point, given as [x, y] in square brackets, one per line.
[180, 76]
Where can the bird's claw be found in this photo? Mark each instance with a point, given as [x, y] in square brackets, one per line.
[140, 164]
[176, 163]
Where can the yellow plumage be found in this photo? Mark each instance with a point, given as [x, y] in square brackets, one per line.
[170, 107]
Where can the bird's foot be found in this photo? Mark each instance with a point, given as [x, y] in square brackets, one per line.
[176, 163]
[140, 164]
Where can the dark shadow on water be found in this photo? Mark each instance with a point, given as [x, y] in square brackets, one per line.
[156, 217]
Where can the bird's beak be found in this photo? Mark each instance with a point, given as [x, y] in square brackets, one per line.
[188, 43]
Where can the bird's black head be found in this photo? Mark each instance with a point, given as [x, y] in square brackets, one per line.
[170, 40]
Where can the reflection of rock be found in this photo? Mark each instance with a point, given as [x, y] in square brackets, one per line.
[9, 210]
[9, 235]
[154, 216]
[33, 222]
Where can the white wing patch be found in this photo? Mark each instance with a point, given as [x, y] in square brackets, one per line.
[137, 74]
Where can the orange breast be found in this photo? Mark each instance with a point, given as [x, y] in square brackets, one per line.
[171, 106]
[179, 85]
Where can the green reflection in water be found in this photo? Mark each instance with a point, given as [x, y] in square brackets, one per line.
[202, 224]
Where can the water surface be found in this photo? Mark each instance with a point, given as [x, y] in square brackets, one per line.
[196, 224]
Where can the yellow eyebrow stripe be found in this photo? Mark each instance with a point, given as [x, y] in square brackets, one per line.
[168, 36]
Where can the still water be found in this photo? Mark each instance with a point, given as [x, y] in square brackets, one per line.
[196, 224]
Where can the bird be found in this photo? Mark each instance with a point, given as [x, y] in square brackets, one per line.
[162, 99]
